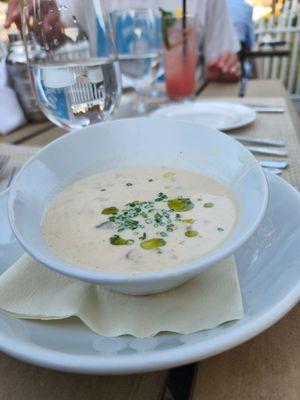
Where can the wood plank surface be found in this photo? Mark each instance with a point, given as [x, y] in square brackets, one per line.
[255, 88]
[44, 138]
[20, 381]
[265, 368]
[25, 132]
[268, 366]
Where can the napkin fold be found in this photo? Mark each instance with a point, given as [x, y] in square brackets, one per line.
[11, 113]
[31, 291]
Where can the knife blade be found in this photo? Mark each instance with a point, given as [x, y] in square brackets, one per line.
[271, 110]
[265, 108]
[267, 151]
[273, 164]
[257, 105]
[260, 140]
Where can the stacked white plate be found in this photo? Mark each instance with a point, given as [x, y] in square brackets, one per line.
[215, 114]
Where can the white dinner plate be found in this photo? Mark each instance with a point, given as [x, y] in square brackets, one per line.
[269, 272]
[215, 114]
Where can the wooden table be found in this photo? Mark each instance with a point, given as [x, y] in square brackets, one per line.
[265, 368]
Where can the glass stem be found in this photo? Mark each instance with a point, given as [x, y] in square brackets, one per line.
[140, 105]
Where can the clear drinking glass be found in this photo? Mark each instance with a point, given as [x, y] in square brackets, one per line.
[180, 56]
[139, 49]
[72, 60]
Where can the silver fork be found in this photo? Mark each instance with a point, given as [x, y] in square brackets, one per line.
[263, 145]
[3, 162]
[11, 177]
[260, 140]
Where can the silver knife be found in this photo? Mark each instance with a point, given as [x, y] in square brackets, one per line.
[265, 108]
[255, 105]
[268, 151]
[243, 87]
[273, 164]
[259, 140]
[271, 110]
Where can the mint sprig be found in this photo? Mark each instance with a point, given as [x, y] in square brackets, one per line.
[168, 20]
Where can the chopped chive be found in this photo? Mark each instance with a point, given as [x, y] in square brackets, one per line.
[103, 190]
[128, 184]
[150, 180]
[220, 230]
[116, 240]
[208, 205]
[157, 217]
[143, 237]
[163, 234]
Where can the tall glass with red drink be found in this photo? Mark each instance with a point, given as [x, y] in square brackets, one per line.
[180, 56]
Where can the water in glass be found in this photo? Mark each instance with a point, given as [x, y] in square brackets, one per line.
[139, 47]
[77, 95]
[72, 60]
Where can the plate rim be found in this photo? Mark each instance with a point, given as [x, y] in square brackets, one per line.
[252, 113]
[169, 358]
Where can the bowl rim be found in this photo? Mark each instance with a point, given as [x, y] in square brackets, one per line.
[187, 269]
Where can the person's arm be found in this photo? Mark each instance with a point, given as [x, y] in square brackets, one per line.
[221, 44]
[48, 30]
[13, 13]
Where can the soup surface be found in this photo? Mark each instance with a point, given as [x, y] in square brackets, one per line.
[139, 219]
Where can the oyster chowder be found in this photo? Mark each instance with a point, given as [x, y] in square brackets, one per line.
[139, 219]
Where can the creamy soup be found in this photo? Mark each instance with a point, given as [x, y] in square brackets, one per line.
[139, 219]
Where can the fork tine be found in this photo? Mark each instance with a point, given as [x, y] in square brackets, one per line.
[3, 158]
[3, 161]
[11, 177]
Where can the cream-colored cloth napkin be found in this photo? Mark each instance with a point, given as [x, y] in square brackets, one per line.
[31, 291]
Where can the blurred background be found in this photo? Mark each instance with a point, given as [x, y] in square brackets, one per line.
[275, 53]
[277, 25]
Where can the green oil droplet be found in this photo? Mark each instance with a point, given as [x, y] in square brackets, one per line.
[191, 234]
[110, 210]
[180, 204]
[153, 243]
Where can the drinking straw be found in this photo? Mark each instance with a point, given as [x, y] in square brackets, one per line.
[184, 25]
[183, 14]
[202, 87]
